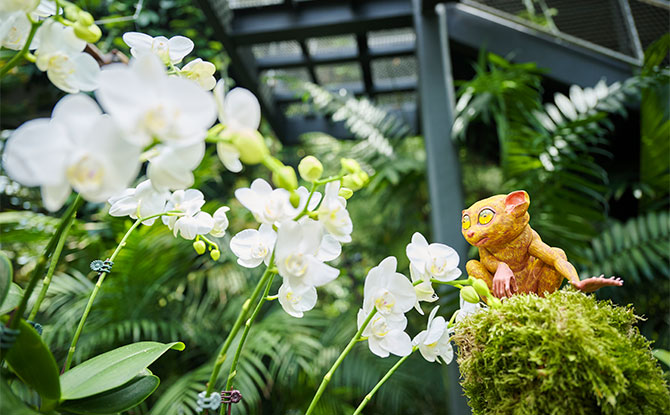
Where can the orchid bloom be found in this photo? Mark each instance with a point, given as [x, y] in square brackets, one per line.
[171, 50]
[253, 246]
[296, 254]
[60, 55]
[193, 221]
[200, 71]
[388, 291]
[466, 309]
[268, 205]
[423, 288]
[150, 105]
[237, 110]
[172, 167]
[220, 222]
[386, 335]
[437, 261]
[434, 341]
[333, 213]
[78, 148]
[144, 200]
[296, 301]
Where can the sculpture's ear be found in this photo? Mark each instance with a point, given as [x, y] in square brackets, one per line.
[517, 203]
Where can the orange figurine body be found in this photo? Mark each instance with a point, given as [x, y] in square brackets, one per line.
[512, 257]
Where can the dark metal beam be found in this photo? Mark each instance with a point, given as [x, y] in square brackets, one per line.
[568, 62]
[281, 62]
[444, 172]
[242, 64]
[317, 18]
[401, 85]
[362, 41]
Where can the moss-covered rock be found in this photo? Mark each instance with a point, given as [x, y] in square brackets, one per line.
[564, 354]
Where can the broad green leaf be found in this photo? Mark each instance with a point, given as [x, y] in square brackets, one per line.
[11, 404]
[112, 369]
[32, 361]
[662, 355]
[12, 299]
[119, 399]
[6, 273]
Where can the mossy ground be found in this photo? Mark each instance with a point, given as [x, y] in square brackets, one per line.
[564, 354]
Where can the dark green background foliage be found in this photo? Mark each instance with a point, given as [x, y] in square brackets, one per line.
[567, 353]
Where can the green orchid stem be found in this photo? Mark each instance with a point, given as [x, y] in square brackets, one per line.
[23, 52]
[456, 283]
[374, 390]
[245, 333]
[328, 179]
[338, 362]
[98, 284]
[236, 327]
[52, 268]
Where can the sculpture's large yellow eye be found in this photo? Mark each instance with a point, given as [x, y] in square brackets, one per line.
[485, 216]
[466, 221]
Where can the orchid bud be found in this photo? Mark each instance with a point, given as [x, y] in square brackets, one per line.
[199, 247]
[494, 302]
[215, 254]
[350, 165]
[294, 198]
[355, 181]
[90, 33]
[71, 12]
[285, 177]
[85, 18]
[249, 143]
[310, 169]
[345, 192]
[469, 294]
[481, 287]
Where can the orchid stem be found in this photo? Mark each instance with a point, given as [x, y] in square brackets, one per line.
[345, 352]
[23, 52]
[98, 284]
[52, 268]
[245, 333]
[374, 390]
[221, 358]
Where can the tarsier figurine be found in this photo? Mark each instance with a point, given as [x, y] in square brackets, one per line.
[512, 257]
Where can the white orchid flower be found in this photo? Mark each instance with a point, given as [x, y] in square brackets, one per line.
[200, 71]
[144, 199]
[296, 254]
[386, 335]
[60, 55]
[14, 31]
[388, 291]
[193, 222]
[24, 6]
[434, 341]
[296, 301]
[267, 205]
[171, 50]
[424, 288]
[253, 246]
[148, 104]
[172, 167]
[333, 213]
[220, 222]
[238, 110]
[79, 148]
[439, 261]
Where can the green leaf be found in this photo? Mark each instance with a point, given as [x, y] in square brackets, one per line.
[32, 361]
[112, 369]
[11, 404]
[662, 355]
[119, 399]
[12, 299]
[6, 273]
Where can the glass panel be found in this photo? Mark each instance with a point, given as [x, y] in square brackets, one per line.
[396, 101]
[391, 38]
[346, 75]
[331, 45]
[287, 48]
[279, 80]
[394, 70]
[244, 4]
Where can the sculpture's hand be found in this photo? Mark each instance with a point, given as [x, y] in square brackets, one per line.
[592, 284]
[504, 283]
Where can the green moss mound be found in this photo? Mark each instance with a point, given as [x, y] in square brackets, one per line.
[564, 354]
